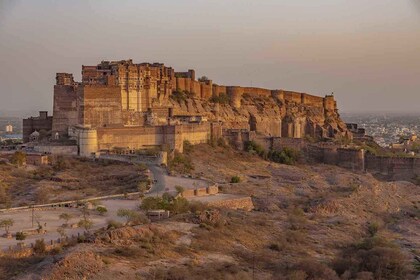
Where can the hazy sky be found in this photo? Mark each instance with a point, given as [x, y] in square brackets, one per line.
[367, 52]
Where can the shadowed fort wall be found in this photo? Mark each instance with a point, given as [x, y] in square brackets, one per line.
[100, 106]
[395, 168]
[152, 136]
[42, 122]
[65, 108]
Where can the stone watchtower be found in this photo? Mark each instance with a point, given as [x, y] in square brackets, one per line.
[64, 79]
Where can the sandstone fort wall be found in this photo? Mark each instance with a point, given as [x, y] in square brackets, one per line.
[65, 108]
[101, 106]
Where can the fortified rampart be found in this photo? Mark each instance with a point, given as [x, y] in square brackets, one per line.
[41, 123]
[392, 168]
[100, 106]
[65, 107]
[134, 138]
[139, 105]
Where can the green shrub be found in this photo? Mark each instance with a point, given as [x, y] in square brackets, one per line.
[181, 163]
[132, 217]
[150, 203]
[235, 179]
[286, 156]
[255, 148]
[223, 98]
[18, 158]
[179, 95]
[373, 228]
[112, 224]
[101, 210]
[39, 246]
[20, 235]
[179, 189]
[166, 202]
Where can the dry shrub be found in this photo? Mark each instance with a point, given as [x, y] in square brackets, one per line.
[197, 207]
[212, 218]
[297, 219]
[11, 266]
[130, 252]
[374, 257]
[39, 246]
[311, 270]
[81, 265]
[215, 270]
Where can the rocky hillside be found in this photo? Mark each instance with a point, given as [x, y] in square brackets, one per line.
[309, 222]
[267, 114]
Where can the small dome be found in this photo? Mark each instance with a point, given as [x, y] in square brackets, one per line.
[35, 134]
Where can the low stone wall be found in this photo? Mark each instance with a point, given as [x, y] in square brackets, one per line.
[200, 192]
[240, 203]
[211, 190]
[70, 203]
[23, 249]
[57, 150]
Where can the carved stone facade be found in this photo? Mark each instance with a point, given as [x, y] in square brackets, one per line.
[121, 101]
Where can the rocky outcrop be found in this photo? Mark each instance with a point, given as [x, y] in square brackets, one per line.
[277, 114]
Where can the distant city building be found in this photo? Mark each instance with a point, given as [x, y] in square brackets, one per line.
[9, 128]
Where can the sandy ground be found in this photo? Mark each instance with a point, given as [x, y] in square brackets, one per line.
[23, 221]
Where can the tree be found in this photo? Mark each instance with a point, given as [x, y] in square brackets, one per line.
[203, 79]
[6, 224]
[4, 196]
[85, 223]
[179, 189]
[66, 217]
[131, 216]
[150, 203]
[62, 232]
[101, 210]
[60, 164]
[142, 187]
[18, 158]
[42, 195]
[179, 205]
[235, 179]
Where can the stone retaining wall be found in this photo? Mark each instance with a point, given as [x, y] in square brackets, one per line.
[242, 203]
[211, 190]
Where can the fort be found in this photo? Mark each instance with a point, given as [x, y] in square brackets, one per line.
[352, 157]
[124, 105]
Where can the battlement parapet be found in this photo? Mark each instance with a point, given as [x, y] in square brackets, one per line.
[64, 79]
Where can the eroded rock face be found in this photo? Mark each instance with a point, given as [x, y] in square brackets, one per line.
[271, 115]
[80, 265]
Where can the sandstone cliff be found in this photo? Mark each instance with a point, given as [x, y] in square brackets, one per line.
[277, 114]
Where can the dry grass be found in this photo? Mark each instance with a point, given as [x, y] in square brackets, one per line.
[75, 179]
[308, 219]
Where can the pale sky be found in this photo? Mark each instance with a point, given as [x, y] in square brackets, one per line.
[366, 52]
